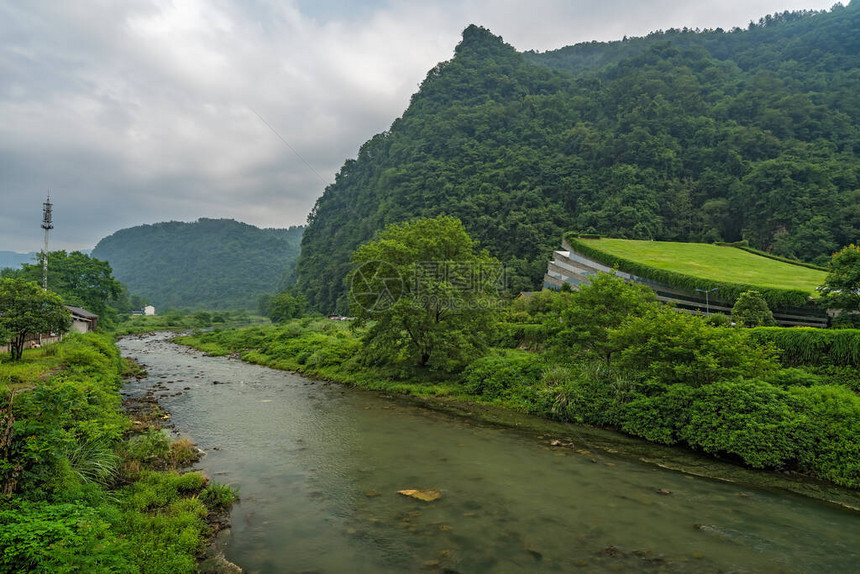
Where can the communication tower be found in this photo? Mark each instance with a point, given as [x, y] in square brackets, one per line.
[47, 225]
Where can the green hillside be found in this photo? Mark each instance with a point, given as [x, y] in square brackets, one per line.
[211, 263]
[717, 263]
[750, 134]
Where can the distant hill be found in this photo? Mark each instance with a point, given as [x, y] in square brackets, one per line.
[211, 263]
[14, 260]
[747, 134]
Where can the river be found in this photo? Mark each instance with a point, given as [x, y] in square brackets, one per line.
[319, 466]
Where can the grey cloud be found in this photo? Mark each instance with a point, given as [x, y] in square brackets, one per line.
[143, 111]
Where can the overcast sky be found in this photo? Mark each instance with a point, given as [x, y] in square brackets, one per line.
[140, 111]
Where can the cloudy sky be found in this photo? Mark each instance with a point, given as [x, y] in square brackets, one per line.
[140, 111]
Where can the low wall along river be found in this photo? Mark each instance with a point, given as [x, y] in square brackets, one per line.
[319, 467]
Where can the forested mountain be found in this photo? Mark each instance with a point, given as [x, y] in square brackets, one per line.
[211, 263]
[682, 135]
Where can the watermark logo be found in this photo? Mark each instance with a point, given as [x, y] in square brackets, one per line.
[376, 286]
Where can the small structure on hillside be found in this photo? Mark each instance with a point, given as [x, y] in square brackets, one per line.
[149, 310]
[82, 320]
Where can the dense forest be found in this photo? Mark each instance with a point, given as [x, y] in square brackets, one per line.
[211, 263]
[748, 134]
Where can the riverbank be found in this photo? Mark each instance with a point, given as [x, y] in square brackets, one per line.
[327, 350]
[321, 465]
[86, 488]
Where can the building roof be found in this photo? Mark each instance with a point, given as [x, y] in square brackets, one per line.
[82, 313]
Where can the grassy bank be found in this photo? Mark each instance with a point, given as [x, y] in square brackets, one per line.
[185, 321]
[84, 489]
[743, 408]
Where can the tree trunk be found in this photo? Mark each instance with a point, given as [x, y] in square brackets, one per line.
[16, 347]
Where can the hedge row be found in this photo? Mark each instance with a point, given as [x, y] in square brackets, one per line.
[810, 346]
[729, 291]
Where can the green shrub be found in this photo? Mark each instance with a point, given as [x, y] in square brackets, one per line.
[673, 347]
[793, 377]
[810, 346]
[659, 418]
[749, 419]
[219, 495]
[152, 444]
[751, 310]
[831, 447]
[503, 375]
[39, 537]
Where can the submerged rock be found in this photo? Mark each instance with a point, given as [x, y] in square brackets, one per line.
[427, 495]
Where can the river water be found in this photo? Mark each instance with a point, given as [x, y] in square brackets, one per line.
[319, 466]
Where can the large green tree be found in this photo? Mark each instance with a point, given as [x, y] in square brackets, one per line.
[841, 289]
[79, 279]
[427, 293]
[26, 309]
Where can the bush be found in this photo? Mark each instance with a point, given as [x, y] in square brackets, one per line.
[831, 447]
[40, 537]
[673, 347]
[801, 346]
[503, 375]
[589, 393]
[749, 419]
[659, 418]
[218, 496]
[751, 310]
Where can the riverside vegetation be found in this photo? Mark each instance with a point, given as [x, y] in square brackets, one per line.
[84, 488]
[607, 355]
[660, 375]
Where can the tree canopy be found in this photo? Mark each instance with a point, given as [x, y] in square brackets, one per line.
[690, 136]
[841, 289]
[25, 310]
[427, 291]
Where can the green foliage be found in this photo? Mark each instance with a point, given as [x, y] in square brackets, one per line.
[669, 346]
[428, 292]
[595, 309]
[82, 281]
[808, 346]
[841, 289]
[208, 264]
[41, 537]
[282, 306]
[27, 310]
[751, 310]
[219, 495]
[60, 463]
[831, 447]
[504, 375]
[680, 135]
[746, 418]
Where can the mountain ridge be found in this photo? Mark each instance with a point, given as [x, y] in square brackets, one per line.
[209, 263]
[692, 136]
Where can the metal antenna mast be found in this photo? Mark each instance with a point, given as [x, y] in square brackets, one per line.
[47, 225]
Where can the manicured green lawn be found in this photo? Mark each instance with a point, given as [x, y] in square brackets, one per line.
[715, 262]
